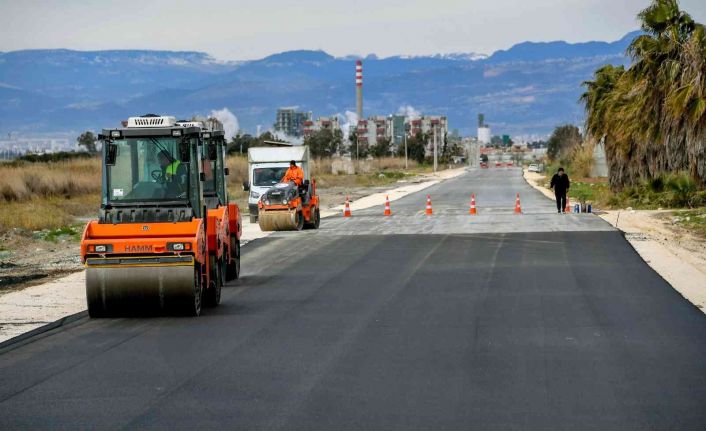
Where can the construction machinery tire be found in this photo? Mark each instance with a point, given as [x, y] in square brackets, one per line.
[212, 295]
[315, 221]
[233, 267]
[300, 221]
[280, 220]
[189, 302]
[138, 290]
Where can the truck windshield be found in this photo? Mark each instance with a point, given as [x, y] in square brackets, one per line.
[147, 169]
[268, 177]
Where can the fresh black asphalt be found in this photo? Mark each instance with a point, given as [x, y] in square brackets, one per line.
[561, 330]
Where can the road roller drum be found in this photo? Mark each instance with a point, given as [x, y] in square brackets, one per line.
[146, 289]
[276, 220]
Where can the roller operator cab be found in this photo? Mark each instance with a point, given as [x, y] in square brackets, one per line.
[149, 248]
[224, 226]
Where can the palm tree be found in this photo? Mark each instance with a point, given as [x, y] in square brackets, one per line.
[652, 115]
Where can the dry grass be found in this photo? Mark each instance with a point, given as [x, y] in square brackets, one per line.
[238, 166]
[36, 196]
[26, 181]
[32, 215]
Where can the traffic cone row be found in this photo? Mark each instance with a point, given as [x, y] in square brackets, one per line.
[429, 211]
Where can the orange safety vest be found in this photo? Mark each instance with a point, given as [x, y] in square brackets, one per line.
[295, 174]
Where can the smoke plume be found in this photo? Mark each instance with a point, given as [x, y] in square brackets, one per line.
[409, 112]
[229, 120]
[350, 120]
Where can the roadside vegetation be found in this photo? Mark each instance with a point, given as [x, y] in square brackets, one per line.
[651, 118]
[652, 115]
[570, 150]
[48, 195]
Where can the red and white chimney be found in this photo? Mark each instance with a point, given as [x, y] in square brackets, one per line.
[359, 88]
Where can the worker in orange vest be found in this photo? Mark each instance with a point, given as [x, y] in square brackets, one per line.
[294, 174]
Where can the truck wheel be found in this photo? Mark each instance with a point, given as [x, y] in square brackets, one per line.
[253, 219]
[212, 295]
[233, 267]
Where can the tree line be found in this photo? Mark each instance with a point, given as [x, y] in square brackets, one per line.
[651, 116]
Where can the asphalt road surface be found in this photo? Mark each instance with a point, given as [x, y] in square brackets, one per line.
[498, 321]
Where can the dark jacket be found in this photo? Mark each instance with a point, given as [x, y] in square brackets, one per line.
[560, 184]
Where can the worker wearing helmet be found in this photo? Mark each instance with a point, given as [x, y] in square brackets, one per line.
[294, 174]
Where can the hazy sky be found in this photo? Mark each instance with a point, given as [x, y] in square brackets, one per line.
[239, 30]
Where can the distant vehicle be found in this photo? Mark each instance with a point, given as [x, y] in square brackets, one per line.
[533, 167]
[484, 165]
[266, 167]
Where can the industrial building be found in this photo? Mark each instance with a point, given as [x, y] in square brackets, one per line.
[395, 127]
[376, 128]
[321, 123]
[428, 124]
[290, 122]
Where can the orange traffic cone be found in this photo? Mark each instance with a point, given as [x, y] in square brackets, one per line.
[472, 211]
[518, 208]
[429, 210]
[388, 211]
[567, 209]
[347, 209]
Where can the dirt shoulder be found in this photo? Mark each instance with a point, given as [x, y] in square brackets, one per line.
[675, 253]
[27, 260]
[672, 251]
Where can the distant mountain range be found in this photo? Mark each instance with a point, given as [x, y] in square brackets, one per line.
[527, 89]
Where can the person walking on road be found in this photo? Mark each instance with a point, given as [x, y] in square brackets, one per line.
[560, 183]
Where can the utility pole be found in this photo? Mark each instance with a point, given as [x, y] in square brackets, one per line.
[406, 166]
[357, 158]
[435, 158]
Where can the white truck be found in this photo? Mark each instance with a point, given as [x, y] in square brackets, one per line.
[267, 166]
